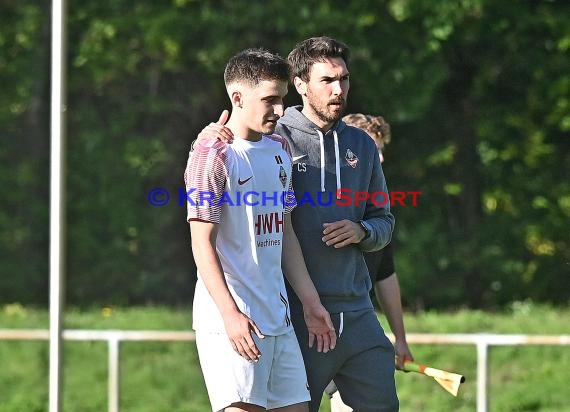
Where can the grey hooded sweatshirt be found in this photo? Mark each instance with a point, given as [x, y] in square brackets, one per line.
[344, 161]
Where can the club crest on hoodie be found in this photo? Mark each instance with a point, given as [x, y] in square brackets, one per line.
[351, 158]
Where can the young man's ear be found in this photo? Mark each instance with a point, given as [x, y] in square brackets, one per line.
[236, 98]
[300, 85]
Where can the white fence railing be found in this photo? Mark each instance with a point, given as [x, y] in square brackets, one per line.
[113, 338]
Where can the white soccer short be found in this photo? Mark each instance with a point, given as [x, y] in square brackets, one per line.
[278, 379]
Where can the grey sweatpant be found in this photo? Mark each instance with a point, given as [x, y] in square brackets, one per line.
[362, 364]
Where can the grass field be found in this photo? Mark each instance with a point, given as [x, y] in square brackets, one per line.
[157, 377]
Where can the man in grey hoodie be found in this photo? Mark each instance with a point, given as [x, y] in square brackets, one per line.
[342, 211]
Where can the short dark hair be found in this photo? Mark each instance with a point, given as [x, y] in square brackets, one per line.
[313, 50]
[252, 66]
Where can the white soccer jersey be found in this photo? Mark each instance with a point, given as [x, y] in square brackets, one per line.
[246, 188]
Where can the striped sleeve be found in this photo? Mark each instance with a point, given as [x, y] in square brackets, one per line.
[205, 178]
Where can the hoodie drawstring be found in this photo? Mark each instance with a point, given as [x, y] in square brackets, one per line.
[337, 164]
[337, 161]
[322, 143]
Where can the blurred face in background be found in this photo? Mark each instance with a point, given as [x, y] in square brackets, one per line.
[376, 127]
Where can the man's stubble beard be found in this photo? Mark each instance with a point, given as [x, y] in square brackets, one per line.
[322, 113]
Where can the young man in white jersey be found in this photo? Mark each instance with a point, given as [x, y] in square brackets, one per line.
[239, 202]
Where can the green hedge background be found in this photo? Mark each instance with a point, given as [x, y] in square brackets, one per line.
[477, 93]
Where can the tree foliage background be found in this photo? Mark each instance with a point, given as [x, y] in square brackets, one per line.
[477, 93]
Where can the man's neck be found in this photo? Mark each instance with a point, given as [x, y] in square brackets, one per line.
[241, 131]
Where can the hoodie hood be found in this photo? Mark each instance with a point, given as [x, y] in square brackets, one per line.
[294, 119]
